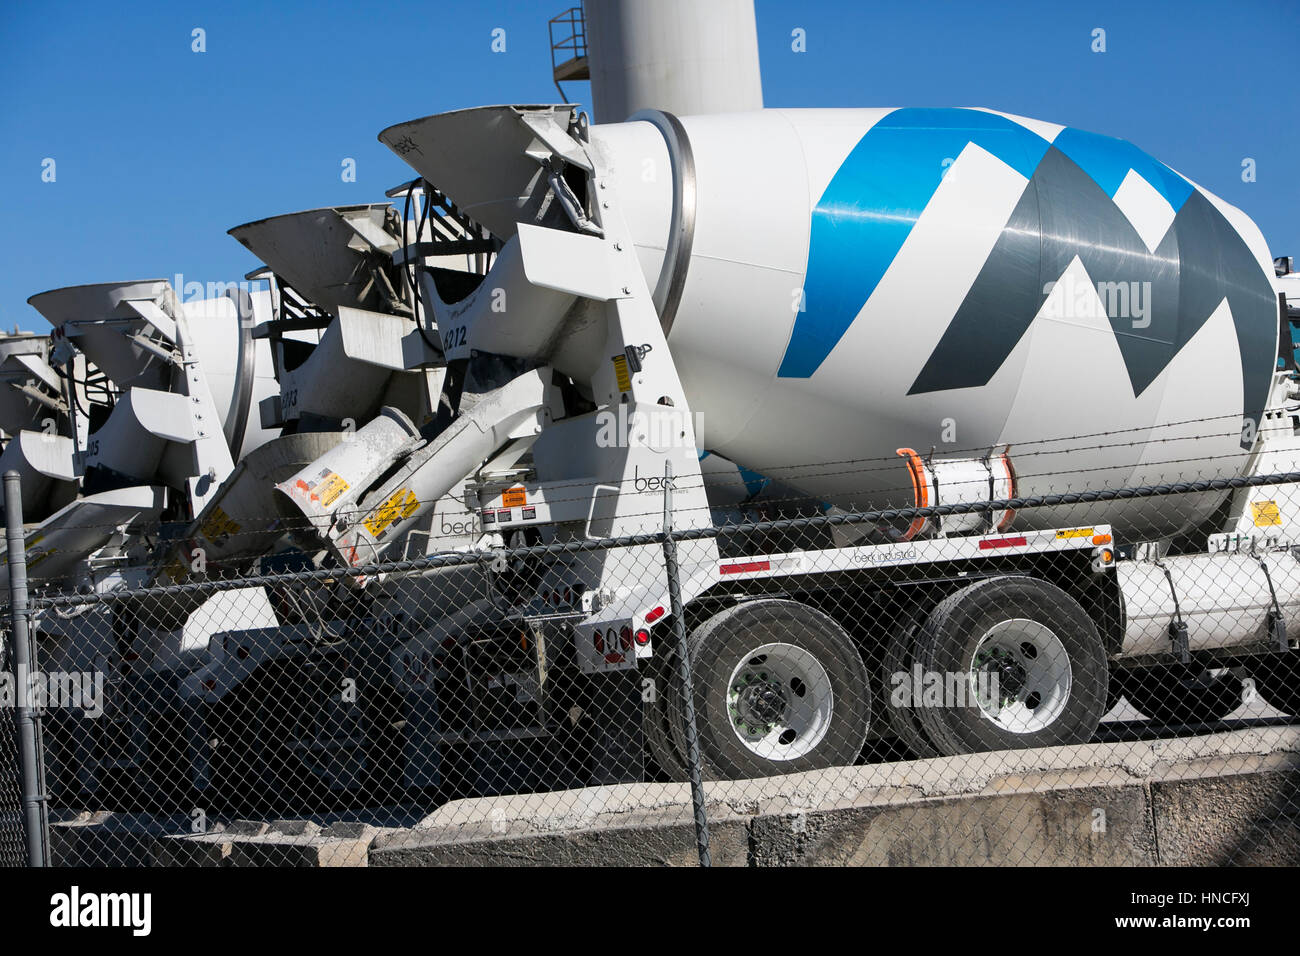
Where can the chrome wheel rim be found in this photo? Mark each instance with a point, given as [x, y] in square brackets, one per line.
[779, 701]
[1020, 676]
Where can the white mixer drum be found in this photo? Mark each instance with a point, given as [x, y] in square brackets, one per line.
[856, 281]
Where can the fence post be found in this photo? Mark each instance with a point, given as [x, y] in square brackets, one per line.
[27, 717]
[684, 672]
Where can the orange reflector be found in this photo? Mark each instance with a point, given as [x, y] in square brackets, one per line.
[1101, 539]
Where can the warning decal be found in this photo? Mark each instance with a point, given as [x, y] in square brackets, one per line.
[325, 488]
[401, 504]
[218, 523]
[621, 373]
[1266, 513]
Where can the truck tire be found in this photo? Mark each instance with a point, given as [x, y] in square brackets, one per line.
[1278, 680]
[779, 688]
[1181, 694]
[1048, 660]
[1113, 693]
[658, 736]
[900, 715]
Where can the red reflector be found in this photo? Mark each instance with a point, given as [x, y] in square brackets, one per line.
[745, 568]
[990, 543]
[642, 637]
[654, 615]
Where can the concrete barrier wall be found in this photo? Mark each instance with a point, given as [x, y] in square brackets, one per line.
[1222, 799]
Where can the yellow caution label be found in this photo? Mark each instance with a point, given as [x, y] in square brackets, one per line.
[514, 498]
[329, 487]
[620, 373]
[218, 524]
[1267, 514]
[1075, 533]
[401, 504]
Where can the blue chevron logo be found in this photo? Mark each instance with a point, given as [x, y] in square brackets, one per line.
[877, 195]
[868, 210]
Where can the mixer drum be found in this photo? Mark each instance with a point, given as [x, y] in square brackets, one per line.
[856, 281]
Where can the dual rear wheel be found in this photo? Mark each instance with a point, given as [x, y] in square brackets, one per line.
[1003, 664]
[781, 687]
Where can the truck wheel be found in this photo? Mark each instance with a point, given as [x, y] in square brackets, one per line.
[779, 688]
[1010, 663]
[1181, 694]
[899, 713]
[1278, 679]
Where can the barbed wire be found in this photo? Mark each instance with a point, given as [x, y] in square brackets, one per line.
[447, 559]
[278, 525]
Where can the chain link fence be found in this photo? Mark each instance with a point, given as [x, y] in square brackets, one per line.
[1000, 680]
[13, 843]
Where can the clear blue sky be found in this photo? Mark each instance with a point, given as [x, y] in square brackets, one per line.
[160, 150]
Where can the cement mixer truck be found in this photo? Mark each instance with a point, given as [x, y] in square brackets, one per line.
[624, 333]
[586, 329]
[607, 315]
